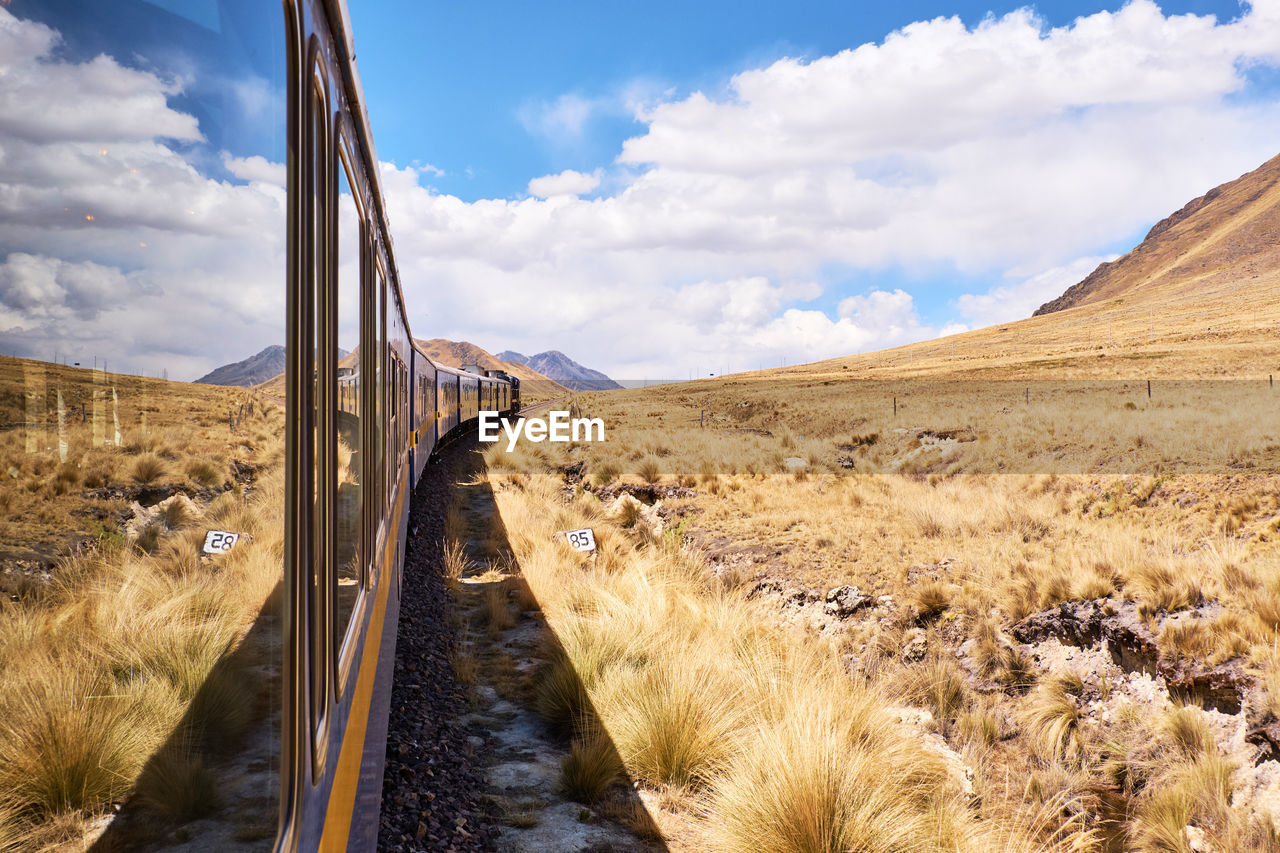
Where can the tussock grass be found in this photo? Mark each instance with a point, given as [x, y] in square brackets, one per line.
[815, 782]
[70, 743]
[204, 473]
[674, 722]
[455, 562]
[176, 785]
[936, 684]
[1052, 718]
[591, 766]
[130, 648]
[762, 740]
[148, 468]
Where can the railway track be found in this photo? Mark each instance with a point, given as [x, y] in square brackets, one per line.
[434, 796]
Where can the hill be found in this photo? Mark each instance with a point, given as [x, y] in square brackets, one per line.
[458, 353]
[1230, 232]
[254, 370]
[534, 386]
[558, 366]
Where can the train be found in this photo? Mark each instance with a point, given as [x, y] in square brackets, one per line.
[344, 559]
[218, 165]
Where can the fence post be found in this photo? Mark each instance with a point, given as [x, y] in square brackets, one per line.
[895, 407]
[1148, 389]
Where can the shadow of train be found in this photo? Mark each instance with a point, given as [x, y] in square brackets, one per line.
[214, 783]
[466, 685]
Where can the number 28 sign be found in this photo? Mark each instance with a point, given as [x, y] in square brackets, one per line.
[220, 541]
[581, 540]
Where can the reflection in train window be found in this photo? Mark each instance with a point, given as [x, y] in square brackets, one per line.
[142, 267]
[318, 317]
[348, 475]
[379, 397]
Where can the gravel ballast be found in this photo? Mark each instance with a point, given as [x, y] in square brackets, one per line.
[434, 795]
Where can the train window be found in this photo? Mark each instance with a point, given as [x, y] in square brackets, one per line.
[345, 580]
[380, 398]
[320, 316]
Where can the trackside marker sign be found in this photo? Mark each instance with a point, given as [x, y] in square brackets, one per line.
[220, 541]
[581, 540]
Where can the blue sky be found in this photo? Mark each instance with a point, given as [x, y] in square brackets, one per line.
[448, 83]
[645, 187]
[757, 187]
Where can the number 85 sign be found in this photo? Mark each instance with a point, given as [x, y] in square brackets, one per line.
[581, 540]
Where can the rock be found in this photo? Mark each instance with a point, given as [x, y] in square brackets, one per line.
[918, 723]
[652, 517]
[625, 509]
[1134, 647]
[795, 463]
[844, 601]
[916, 718]
[189, 507]
[1196, 841]
[915, 645]
[644, 492]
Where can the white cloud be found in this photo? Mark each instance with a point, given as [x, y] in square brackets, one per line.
[1006, 302]
[99, 100]
[112, 243]
[255, 168]
[1008, 151]
[562, 120]
[567, 182]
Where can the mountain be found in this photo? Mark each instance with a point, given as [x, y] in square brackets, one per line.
[253, 370]
[563, 369]
[458, 353]
[1228, 235]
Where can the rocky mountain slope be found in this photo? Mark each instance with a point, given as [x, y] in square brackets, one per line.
[458, 353]
[558, 366]
[252, 371]
[1230, 232]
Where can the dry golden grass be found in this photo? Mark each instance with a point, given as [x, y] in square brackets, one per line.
[590, 768]
[1020, 471]
[757, 739]
[127, 649]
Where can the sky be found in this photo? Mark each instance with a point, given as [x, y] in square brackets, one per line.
[666, 188]
[658, 191]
